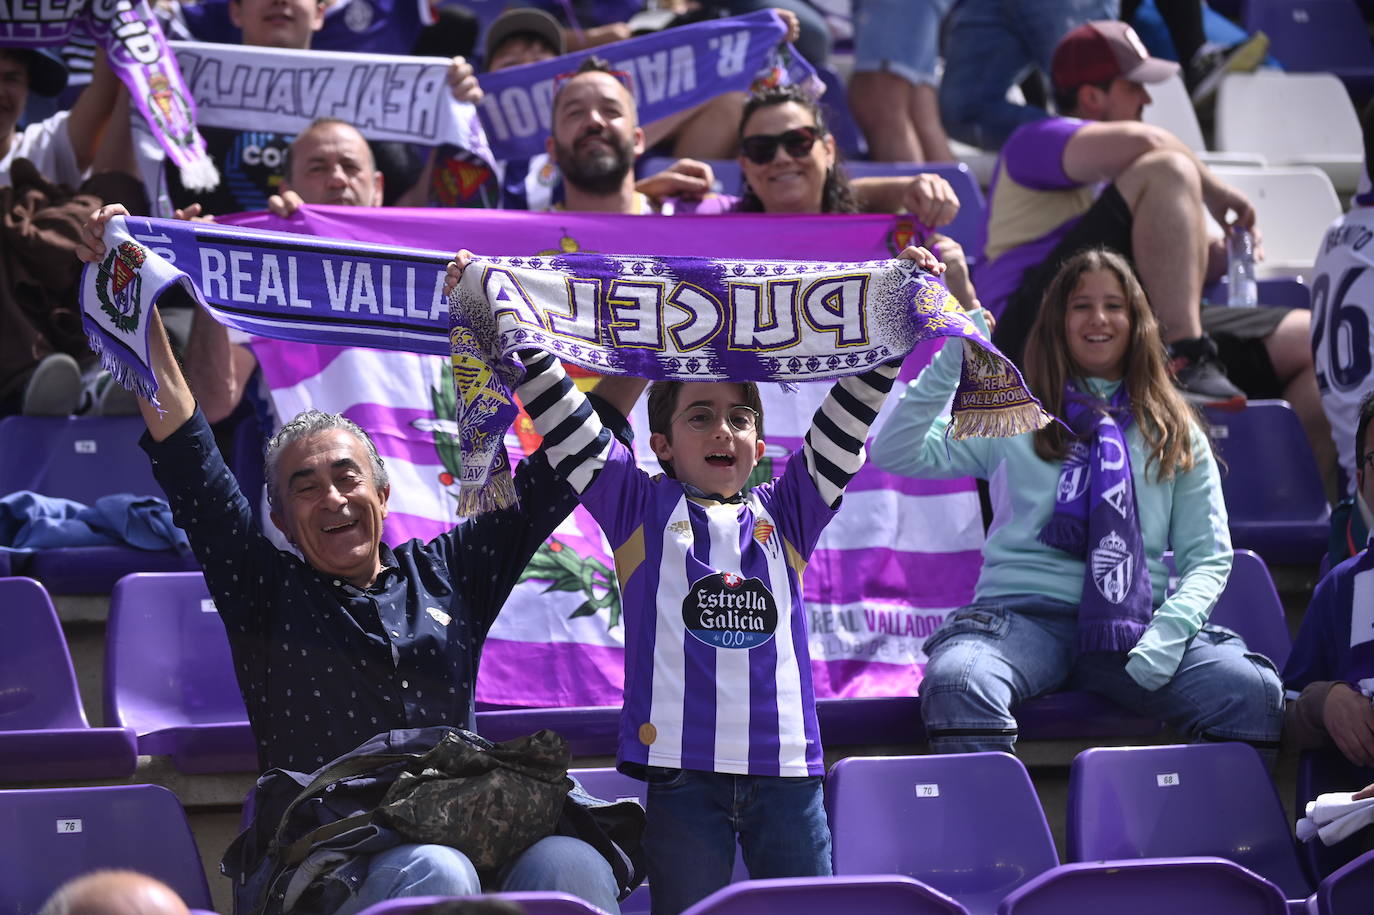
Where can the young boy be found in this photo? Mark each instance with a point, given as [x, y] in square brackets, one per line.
[719, 714]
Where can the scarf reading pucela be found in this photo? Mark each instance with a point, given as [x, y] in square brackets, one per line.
[683, 318]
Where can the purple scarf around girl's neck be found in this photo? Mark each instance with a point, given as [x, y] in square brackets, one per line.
[1095, 519]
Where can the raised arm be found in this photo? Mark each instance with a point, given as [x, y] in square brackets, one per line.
[174, 394]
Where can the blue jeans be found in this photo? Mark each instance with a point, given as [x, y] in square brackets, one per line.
[990, 657]
[900, 37]
[990, 45]
[693, 818]
[555, 863]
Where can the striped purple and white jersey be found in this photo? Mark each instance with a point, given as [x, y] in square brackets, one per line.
[717, 670]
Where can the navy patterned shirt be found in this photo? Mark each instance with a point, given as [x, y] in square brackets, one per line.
[324, 665]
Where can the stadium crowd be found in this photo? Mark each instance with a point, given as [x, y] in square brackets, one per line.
[1095, 270]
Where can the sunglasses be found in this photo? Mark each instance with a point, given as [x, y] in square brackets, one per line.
[762, 147]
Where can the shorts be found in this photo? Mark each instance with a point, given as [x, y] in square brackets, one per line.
[1239, 332]
[900, 37]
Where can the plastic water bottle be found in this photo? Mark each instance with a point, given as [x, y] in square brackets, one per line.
[1241, 289]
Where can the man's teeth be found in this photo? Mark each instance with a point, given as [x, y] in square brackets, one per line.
[338, 527]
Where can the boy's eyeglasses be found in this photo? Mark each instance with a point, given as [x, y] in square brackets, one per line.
[704, 419]
[762, 147]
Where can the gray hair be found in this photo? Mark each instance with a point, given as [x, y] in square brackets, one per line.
[308, 423]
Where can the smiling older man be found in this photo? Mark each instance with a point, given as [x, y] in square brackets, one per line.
[354, 638]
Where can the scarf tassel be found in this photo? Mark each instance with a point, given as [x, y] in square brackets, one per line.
[1004, 423]
[199, 174]
[1109, 634]
[122, 372]
[498, 492]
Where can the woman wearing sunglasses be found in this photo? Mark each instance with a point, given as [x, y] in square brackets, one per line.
[790, 165]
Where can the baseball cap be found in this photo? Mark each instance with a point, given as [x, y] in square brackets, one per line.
[47, 73]
[516, 21]
[1098, 52]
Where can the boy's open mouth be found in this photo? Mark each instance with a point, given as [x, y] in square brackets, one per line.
[720, 459]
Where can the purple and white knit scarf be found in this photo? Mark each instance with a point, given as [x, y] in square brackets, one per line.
[1095, 518]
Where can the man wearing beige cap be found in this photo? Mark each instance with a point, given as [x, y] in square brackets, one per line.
[1098, 176]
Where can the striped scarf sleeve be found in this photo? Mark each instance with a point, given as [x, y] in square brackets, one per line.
[575, 440]
[834, 447]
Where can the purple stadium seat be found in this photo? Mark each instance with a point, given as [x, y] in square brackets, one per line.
[44, 735]
[77, 457]
[532, 903]
[1348, 891]
[1250, 605]
[1271, 483]
[169, 676]
[969, 825]
[1146, 886]
[1323, 36]
[1166, 801]
[826, 896]
[54, 834]
[82, 458]
[1320, 772]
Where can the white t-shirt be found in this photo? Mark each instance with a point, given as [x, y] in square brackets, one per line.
[48, 146]
[1343, 326]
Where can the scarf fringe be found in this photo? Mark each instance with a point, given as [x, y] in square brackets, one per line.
[200, 174]
[1069, 534]
[1002, 423]
[496, 493]
[133, 380]
[1109, 635]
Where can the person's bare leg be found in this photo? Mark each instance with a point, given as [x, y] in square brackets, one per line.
[925, 115]
[1290, 352]
[1168, 238]
[711, 130]
[880, 102]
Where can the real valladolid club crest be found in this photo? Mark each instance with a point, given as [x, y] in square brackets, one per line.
[903, 234]
[118, 286]
[169, 107]
[1113, 567]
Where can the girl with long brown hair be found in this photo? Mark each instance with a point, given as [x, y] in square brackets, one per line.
[1073, 589]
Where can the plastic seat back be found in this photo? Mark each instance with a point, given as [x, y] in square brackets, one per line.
[1146, 887]
[969, 825]
[37, 683]
[1211, 799]
[827, 896]
[1273, 490]
[169, 674]
[78, 457]
[55, 834]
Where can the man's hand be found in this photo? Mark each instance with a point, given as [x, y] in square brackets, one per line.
[684, 178]
[92, 247]
[192, 214]
[1366, 791]
[1349, 719]
[284, 204]
[462, 80]
[453, 273]
[931, 199]
[790, 20]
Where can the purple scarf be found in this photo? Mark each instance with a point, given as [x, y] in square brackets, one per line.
[138, 54]
[1095, 519]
